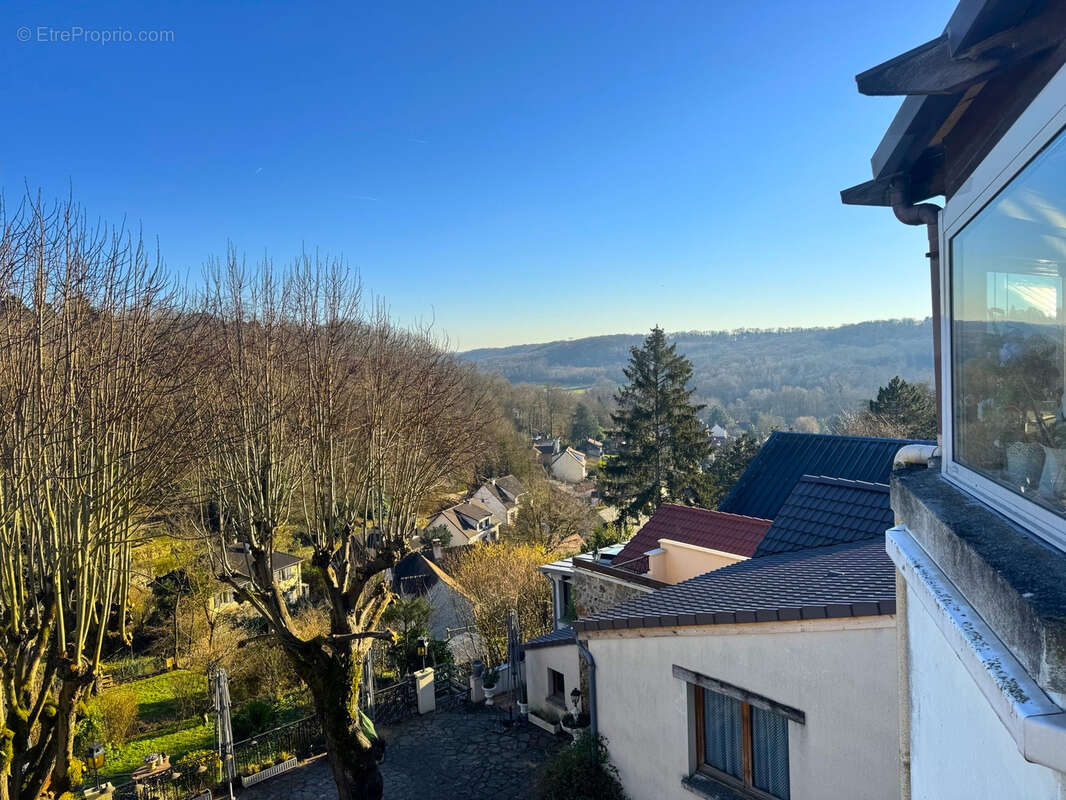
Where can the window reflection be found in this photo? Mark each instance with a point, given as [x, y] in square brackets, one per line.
[1009, 334]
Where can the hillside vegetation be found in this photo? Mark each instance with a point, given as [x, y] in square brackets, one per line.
[766, 377]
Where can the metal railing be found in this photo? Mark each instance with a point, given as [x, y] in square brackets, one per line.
[302, 739]
[394, 703]
[186, 779]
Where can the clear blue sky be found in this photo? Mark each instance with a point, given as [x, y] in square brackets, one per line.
[515, 171]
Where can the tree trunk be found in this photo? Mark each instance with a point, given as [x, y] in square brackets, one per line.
[353, 757]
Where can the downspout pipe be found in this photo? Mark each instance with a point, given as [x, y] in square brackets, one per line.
[582, 648]
[927, 214]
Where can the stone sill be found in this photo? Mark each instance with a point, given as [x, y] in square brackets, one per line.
[710, 789]
[1034, 721]
[1015, 582]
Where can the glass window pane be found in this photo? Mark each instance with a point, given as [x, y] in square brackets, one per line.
[722, 733]
[1009, 334]
[769, 745]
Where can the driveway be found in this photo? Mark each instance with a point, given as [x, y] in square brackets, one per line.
[447, 755]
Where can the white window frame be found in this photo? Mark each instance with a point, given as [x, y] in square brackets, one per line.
[1041, 122]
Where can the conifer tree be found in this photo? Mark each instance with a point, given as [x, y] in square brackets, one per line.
[661, 442]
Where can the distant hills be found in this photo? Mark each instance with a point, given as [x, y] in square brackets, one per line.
[784, 373]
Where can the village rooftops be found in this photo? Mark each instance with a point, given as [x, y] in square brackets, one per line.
[856, 579]
[786, 457]
[825, 511]
[712, 530]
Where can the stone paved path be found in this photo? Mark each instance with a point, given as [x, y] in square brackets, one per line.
[448, 755]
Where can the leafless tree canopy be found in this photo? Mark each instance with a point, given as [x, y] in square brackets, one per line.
[93, 415]
[335, 421]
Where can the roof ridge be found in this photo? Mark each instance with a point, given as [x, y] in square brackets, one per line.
[850, 483]
[714, 511]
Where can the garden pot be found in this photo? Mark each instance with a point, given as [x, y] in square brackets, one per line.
[543, 724]
[490, 692]
[523, 708]
[1024, 462]
[1053, 478]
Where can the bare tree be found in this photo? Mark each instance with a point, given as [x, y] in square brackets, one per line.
[342, 425]
[91, 434]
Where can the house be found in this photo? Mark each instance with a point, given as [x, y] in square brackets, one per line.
[287, 575]
[546, 447]
[501, 496]
[980, 540]
[772, 628]
[569, 466]
[467, 523]
[771, 677]
[682, 542]
[415, 575]
[718, 433]
[593, 449]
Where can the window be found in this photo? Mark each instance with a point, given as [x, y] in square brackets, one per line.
[1008, 336]
[745, 744]
[556, 687]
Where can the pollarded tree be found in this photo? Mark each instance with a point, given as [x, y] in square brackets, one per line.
[342, 425]
[92, 359]
[661, 440]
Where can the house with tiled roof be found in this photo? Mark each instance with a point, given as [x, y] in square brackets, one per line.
[774, 674]
[676, 543]
[568, 466]
[774, 677]
[418, 575]
[466, 523]
[287, 574]
[501, 496]
[679, 542]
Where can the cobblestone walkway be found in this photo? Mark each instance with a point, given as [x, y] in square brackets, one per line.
[448, 755]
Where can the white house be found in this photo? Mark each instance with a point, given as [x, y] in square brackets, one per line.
[773, 677]
[569, 466]
[415, 575]
[980, 545]
[287, 575]
[467, 523]
[502, 497]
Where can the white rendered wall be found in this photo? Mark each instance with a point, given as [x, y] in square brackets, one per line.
[845, 680]
[959, 747]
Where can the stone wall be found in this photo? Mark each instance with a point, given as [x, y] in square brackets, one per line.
[593, 593]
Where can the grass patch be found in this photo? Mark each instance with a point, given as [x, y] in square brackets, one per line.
[158, 698]
[176, 741]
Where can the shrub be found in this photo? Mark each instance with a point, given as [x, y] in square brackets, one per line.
[253, 718]
[576, 720]
[117, 710]
[580, 772]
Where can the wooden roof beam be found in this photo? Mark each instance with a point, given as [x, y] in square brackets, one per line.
[932, 69]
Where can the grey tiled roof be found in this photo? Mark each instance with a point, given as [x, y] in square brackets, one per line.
[824, 511]
[556, 637]
[786, 456]
[849, 580]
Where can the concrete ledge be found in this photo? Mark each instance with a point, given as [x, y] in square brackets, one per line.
[1016, 582]
[1036, 723]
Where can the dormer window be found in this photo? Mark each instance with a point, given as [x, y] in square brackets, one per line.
[1005, 404]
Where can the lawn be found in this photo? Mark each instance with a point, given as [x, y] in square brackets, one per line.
[170, 727]
[170, 707]
[176, 741]
[158, 698]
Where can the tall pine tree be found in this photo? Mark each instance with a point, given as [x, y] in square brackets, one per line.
[661, 441]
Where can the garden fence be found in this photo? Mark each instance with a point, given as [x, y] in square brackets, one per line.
[187, 779]
[302, 739]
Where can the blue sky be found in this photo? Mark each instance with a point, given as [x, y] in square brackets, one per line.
[513, 172]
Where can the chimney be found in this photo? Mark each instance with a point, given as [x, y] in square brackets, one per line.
[438, 551]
